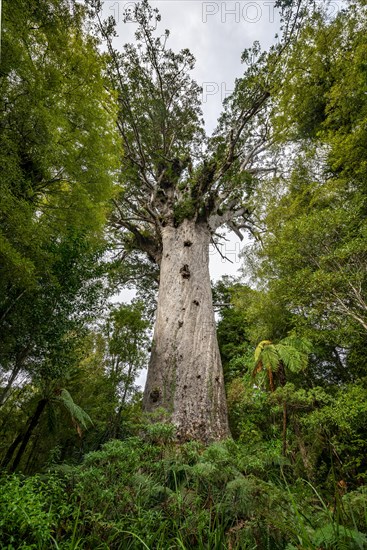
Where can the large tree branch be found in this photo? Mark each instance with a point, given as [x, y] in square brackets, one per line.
[148, 243]
[346, 310]
[229, 218]
[235, 134]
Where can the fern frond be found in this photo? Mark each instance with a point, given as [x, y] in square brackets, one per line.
[293, 359]
[76, 412]
[260, 348]
[335, 536]
[303, 345]
[270, 357]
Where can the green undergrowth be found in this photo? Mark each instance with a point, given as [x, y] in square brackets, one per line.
[148, 492]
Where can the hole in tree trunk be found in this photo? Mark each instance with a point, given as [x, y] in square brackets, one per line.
[185, 272]
[187, 243]
[154, 395]
[195, 302]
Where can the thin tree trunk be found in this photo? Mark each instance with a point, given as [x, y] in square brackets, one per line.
[31, 460]
[6, 390]
[9, 453]
[9, 412]
[19, 361]
[117, 422]
[271, 380]
[15, 300]
[26, 435]
[284, 432]
[283, 381]
[128, 383]
[304, 453]
[185, 374]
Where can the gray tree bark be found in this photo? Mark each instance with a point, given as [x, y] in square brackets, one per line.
[185, 374]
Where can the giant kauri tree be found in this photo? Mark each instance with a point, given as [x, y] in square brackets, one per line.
[180, 188]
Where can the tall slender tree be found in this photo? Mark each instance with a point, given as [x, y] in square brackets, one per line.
[58, 153]
[314, 253]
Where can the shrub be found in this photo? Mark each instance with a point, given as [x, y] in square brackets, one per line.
[29, 511]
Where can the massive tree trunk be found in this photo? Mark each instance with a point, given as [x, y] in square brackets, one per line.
[185, 374]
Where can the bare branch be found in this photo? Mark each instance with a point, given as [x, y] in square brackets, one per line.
[220, 252]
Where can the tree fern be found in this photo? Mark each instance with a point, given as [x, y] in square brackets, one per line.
[292, 352]
[76, 412]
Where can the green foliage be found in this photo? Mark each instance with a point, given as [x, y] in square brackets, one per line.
[59, 152]
[127, 340]
[161, 128]
[291, 353]
[314, 250]
[342, 421]
[30, 509]
[58, 143]
[157, 495]
[88, 402]
[184, 209]
[232, 329]
[309, 269]
[160, 433]
[338, 537]
[355, 503]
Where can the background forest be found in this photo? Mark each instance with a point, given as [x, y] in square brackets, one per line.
[82, 465]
